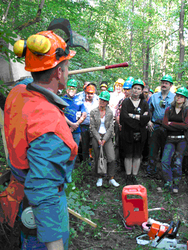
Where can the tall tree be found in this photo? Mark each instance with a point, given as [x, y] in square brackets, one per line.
[181, 39]
[131, 37]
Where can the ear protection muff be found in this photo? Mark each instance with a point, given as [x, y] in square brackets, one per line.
[20, 48]
[39, 45]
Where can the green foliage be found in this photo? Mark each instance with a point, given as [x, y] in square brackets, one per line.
[108, 33]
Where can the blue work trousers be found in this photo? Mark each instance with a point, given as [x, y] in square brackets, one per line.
[29, 242]
[85, 134]
[172, 162]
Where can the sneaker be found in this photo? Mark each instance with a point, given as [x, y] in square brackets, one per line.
[175, 190]
[114, 183]
[159, 190]
[99, 182]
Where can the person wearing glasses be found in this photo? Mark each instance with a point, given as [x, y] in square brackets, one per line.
[175, 122]
[158, 103]
[75, 113]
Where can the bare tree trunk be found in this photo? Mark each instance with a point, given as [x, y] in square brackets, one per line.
[131, 39]
[181, 38]
[33, 21]
[165, 44]
[104, 51]
[148, 47]
[6, 13]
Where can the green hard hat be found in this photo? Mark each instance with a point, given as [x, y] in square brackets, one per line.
[182, 91]
[105, 95]
[167, 78]
[72, 83]
[151, 90]
[138, 82]
[130, 78]
[111, 89]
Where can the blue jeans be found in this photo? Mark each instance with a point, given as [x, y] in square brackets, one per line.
[172, 162]
[157, 142]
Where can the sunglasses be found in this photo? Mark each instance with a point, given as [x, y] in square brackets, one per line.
[162, 104]
[180, 96]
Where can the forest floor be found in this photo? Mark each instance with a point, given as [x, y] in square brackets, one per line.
[104, 207]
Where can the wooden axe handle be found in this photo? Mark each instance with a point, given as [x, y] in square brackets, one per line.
[82, 218]
[80, 71]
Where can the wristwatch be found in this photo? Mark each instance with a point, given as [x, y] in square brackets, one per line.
[134, 116]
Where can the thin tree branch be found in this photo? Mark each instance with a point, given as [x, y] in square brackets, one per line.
[32, 21]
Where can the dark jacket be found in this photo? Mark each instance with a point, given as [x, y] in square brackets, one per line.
[175, 126]
[130, 125]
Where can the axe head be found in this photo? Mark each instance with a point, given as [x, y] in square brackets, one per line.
[62, 27]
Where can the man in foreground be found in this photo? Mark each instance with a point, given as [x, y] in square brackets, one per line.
[39, 141]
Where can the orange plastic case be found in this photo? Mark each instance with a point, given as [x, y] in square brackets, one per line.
[135, 206]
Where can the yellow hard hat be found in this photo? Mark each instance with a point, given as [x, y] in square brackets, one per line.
[173, 89]
[120, 81]
[158, 89]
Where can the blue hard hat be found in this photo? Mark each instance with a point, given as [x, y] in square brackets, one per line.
[127, 84]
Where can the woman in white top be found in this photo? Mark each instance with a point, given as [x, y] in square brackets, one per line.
[102, 132]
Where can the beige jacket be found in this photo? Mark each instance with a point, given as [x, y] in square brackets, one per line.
[95, 122]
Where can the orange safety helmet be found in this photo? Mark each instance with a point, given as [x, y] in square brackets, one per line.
[44, 51]
[90, 89]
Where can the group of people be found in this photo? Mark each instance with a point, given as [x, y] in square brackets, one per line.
[130, 124]
[43, 132]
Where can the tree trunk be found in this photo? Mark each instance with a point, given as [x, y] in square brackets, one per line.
[166, 42]
[131, 38]
[181, 39]
[148, 48]
[6, 13]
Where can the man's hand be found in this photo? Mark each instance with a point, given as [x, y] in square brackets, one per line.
[150, 126]
[74, 126]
